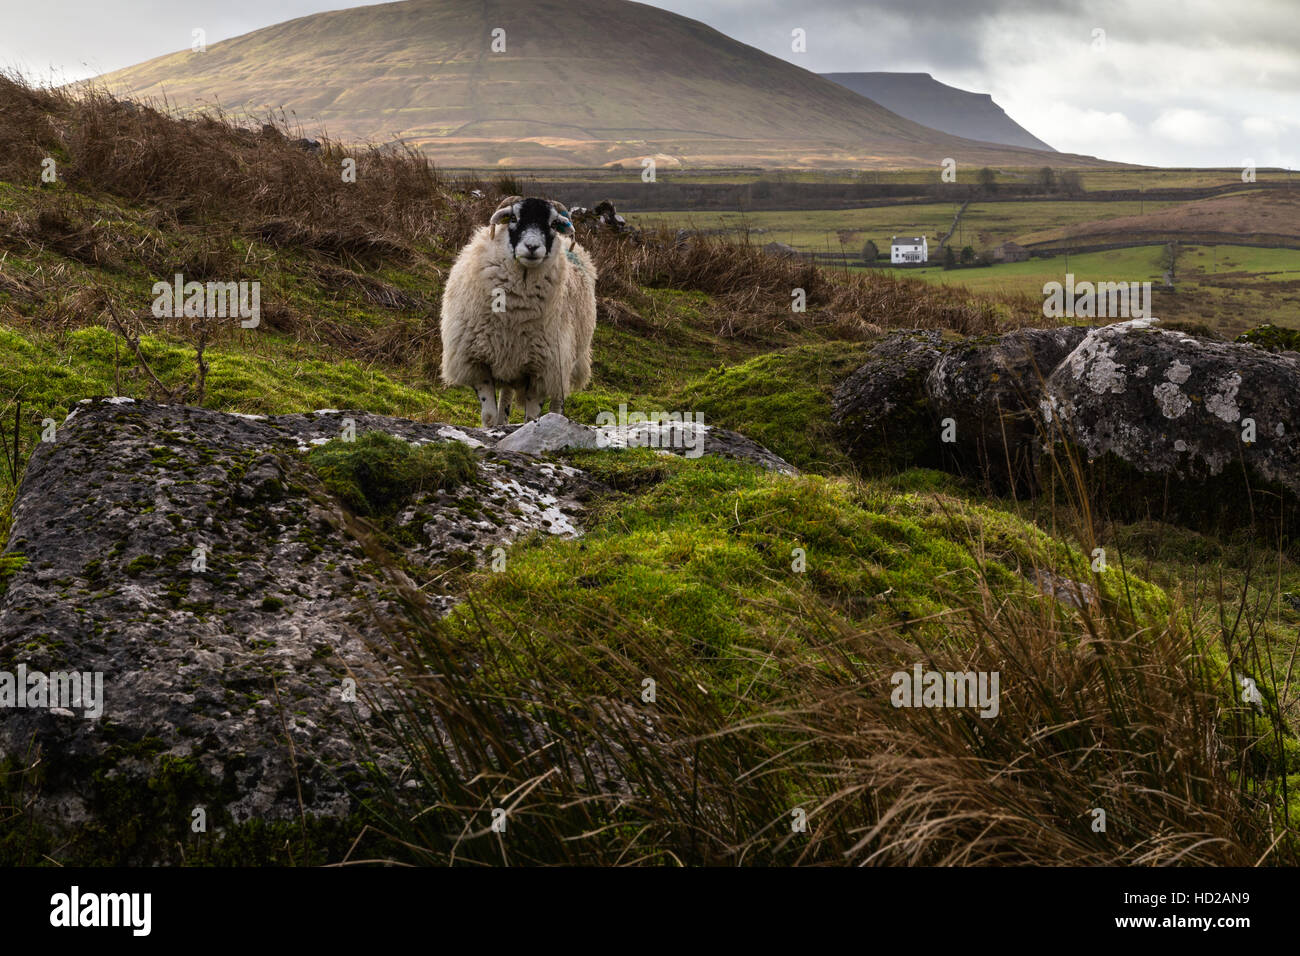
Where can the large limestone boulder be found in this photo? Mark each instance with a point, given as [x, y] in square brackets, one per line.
[1198, 413]
[197, 562]
[983, 393]
[989, 390]
[882, 410]
[1199, 427]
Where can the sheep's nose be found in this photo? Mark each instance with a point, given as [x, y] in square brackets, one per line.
[533, 246]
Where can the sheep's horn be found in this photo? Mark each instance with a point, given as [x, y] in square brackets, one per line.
[504, 210]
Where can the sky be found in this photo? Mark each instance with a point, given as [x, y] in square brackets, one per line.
[1160, 82]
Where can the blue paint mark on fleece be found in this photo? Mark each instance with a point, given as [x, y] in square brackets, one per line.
[575, 260]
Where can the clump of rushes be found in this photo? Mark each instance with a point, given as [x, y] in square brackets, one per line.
[377, 473]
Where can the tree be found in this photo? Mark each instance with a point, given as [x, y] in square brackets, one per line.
[1071, 182]
[949, 258]
[1046, 179]
[967, 255]
[988, 180]
[869, 252]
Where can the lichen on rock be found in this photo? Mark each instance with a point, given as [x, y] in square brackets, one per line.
[238, 582]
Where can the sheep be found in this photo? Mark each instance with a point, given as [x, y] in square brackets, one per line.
[519, 311]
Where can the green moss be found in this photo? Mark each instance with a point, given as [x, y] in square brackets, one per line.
[781, 400]
[629, 469]
[693, 562]
[10, 564]
[1273, 338]
[138, 566]
[376, 474]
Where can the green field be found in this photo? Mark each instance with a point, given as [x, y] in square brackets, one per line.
[1231, 288]
[1136, 263]
[983, 225]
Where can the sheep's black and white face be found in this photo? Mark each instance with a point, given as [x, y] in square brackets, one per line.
[534, 225]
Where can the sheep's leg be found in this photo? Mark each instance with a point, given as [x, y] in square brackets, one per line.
[532, 402]
[487, 400]
[557, 406]
[503, 406]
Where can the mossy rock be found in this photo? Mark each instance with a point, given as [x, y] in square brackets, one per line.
[1272, 337]
[376, 474]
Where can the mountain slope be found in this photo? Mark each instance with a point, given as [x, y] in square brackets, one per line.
[581, 82]
[923, 99]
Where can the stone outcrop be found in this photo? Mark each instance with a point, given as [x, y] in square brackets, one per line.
[1148, 408]
[197, 562]
[1170, 404]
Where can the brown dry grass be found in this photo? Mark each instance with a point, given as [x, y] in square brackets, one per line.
[1274, 213]
[208, 179]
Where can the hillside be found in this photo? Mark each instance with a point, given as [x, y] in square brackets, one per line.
[581, 83]
[770, 607]
[923, 99]
[1265, 217]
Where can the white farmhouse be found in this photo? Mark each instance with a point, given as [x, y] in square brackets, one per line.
[908, 250]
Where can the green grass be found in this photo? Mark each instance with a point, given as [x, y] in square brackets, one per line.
[717, 649]
[781, 399]
[54, 371]
[700, 552]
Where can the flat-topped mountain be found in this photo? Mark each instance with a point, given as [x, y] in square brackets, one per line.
[923, 99]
